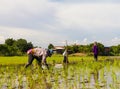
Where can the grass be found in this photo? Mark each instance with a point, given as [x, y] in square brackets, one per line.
[56, 58]
[13, 60]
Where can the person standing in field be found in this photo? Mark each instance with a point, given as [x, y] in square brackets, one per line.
[95, 51]
[65, 55]
[40, 54]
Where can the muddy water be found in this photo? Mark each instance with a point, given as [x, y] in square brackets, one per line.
[105, 78]
[69, 77]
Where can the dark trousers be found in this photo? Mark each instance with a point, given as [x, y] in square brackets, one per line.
[65, 60]
[96, 57]
[31, 58]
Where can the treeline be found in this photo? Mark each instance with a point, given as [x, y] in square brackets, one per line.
[19, 47]
[103, 51]
[87, 49]
[13, 47]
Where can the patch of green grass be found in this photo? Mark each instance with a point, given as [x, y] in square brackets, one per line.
[13, 60]
[54, 58]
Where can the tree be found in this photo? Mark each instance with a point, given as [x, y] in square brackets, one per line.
[100, 49]
[50, 46]
[88, 48]
[29, 45]
[14, 47]
[4, 50]
[119, 49]
[22, 45]
[12, 51]
[75, 48]
[114, 50]
[9, 41]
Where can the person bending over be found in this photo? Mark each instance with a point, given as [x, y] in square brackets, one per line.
[40, 54]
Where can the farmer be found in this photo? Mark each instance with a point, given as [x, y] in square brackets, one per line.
[65, 55]
[95, 51]
[40, 54]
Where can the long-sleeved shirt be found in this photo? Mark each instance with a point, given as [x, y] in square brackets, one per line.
[38, 52]
[95, 49]
[65, 53]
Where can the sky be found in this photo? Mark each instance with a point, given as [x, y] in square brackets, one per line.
[55, 21]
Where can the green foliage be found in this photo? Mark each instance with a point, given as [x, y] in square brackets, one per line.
[10, 41]
[14, 47]
[4, 50]
[115, 50]
[50, 46]
[20, 46]
[86, 48]
[100, 49]
[75, 48]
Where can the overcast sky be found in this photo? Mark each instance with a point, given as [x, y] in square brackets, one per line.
[54, 21]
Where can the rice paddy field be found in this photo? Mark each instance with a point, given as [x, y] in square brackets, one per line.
[80, 73]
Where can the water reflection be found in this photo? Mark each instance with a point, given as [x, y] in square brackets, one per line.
[96, 75]
[69, 76]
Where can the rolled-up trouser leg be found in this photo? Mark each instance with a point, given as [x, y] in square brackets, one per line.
[30, 60]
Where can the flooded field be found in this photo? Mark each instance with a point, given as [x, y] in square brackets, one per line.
[104, 74]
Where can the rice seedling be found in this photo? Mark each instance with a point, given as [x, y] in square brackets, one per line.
[80, 73]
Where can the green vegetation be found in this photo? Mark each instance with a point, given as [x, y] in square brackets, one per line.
[80, 73]
[19, 47]
[14, 47]
[13, 60]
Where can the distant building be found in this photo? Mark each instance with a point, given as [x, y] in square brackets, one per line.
[106, 51]
[59, 49]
